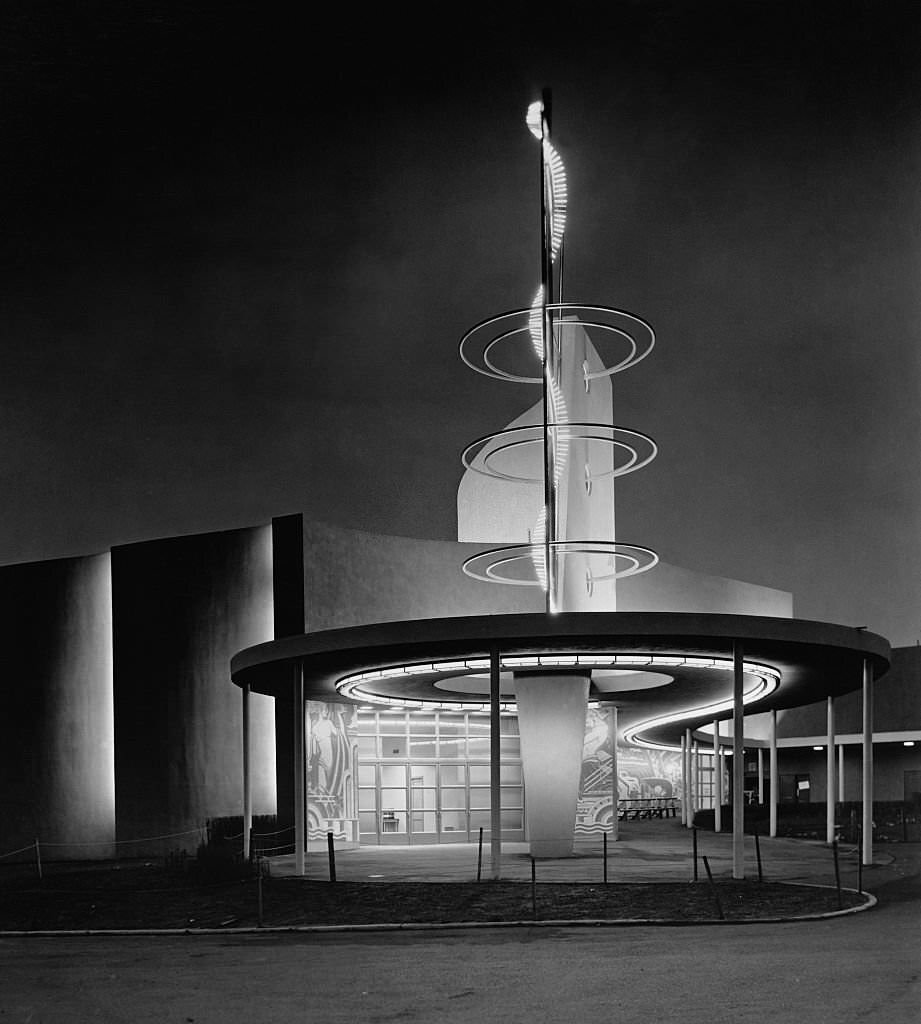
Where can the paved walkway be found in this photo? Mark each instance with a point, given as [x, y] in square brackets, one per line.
[647, 851]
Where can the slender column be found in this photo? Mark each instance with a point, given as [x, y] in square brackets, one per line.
[695, 776]
[299, 769]
[840, 773]
[688, 779]
[247, 777]
[718, 772]
[684, 779]
[615, 777]
[738, 767]
[761, 775]
[775, 776]
[830, 771]
[495, 761]
[867, 787]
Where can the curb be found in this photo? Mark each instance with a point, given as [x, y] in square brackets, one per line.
[627, 922]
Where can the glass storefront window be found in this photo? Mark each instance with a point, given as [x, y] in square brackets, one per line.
[478, 746]
[423, 747]
[393, 745]
[455, 799]
[479, 796]
[479, 774]
[367, 800]
[367, 776]
[367, 822]
[510, 774]
[367, 747]
[367, 723]
[421, 726]
[453, 774]
[454, 821]
[393, 775]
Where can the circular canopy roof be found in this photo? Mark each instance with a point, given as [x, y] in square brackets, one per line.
[432, 662]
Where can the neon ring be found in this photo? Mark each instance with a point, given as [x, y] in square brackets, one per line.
[477, 345]
[630, 441]
[492, 566]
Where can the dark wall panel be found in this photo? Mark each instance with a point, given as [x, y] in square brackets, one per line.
[56, 756]
[182, 608]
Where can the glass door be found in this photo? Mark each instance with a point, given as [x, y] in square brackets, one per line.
[423, 814]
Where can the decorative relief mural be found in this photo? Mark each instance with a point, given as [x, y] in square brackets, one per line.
[332, 770]
[641, 774]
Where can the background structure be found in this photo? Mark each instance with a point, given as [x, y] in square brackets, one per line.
[240, 246]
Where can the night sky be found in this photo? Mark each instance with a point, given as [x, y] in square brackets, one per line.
[240, 246]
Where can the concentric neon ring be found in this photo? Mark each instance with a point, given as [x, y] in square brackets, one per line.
[489, 566]
[477, 345]
[360, 685]
[631, 441]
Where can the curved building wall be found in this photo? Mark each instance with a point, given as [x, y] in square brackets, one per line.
[56, 753]
[182, 608]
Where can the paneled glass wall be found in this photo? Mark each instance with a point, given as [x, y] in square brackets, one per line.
[423, 777]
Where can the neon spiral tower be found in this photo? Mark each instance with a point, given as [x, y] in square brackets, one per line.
[571, 550]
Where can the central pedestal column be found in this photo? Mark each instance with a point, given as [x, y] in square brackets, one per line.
[551, 721]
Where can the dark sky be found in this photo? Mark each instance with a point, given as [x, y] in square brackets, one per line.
[240, 246]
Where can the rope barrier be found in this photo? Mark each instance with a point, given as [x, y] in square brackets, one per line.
[22, 849]
[125, 842]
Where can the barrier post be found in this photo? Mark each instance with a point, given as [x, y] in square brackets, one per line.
[534, 888]
[605, 858]
[694, 847]
[716, 895]
[758, 856]
[38, 858]
[259, 892]
[331, 847]
[834, 847]
[479, 856]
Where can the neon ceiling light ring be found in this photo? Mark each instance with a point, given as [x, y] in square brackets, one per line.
[357, 686]
[477, 338]
[768, 680]
[485, 565]
[620, 437]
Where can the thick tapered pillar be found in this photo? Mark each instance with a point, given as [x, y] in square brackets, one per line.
[495, 761]
[775, 775]
[830, 771]
[300, 839]
[615, 778]
[738, 767]
[718, 779]
[551, 721]
[867, 774]
[247, 777]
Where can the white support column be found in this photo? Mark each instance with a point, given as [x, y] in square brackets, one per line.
[300, 838]
[761, 776]
[495, 761]
[718, 779]
[247, 777]
[830, 771]
[738, 766]
[867, 782]
[695, 775]
[688, 779]
[840, 773]
[684, 779]
[775, 775]
[615, 777]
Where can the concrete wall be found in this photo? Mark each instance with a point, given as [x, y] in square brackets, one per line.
[182, 607]
[56, 752]
[352, 578]
[670, 588]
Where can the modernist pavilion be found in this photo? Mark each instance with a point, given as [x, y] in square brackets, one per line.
[390, 697]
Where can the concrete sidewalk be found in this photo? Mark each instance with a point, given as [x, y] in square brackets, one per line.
[647, 851]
